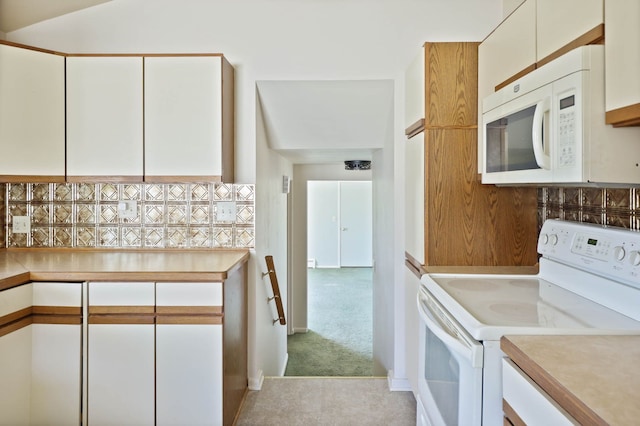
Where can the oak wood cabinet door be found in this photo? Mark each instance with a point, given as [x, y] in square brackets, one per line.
[32, 114]
[622, 62]
[185, 118]
[104, 117]
[121, 352]
[189, 350]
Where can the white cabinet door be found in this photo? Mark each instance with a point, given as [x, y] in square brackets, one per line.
[414, 198]
[561, 22]
[189, 375]
[414, 91]
[121, 354]
[32, 113]
[412, 327]
[183, 116]
[104, 116]
[56, 354]
[508, 50]
[622, 60]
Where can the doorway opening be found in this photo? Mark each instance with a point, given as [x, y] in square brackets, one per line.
[339, 339]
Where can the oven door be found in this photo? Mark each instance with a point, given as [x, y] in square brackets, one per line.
[450, 368]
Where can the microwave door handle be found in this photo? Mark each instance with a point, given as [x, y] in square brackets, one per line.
[462, 348]
[542, 158]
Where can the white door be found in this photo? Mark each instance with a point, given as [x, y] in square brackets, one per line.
[356, 224]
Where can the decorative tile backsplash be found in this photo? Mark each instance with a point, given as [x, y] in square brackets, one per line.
[85, 215]
[608, 206]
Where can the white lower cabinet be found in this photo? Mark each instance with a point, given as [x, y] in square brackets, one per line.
[40, 348]
[154, 354]
[189, 374]
[120, 374]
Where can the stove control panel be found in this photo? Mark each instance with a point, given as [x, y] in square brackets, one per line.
[605, 250]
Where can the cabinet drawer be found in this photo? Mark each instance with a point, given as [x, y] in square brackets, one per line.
[531, 403]
[121, 294]
[189, 294]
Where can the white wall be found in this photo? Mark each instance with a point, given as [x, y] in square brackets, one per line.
[289, 40]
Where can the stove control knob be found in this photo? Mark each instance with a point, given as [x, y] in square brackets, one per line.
[544, 239]
[619, 253]
[634, 258]
[553, 239]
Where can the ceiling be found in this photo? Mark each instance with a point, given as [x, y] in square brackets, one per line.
[312, 122]
[327, 121]
[15, 14]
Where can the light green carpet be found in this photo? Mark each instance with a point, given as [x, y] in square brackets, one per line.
[339, 341]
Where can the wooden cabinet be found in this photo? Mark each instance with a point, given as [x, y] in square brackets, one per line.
[465, 222]
[188, 118]
[104, 118]
[40, 354]
[32, 109]
[622, 62]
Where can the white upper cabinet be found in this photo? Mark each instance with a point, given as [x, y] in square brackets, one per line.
[622, 62]
[509, 50]
[104, 116]
[31, 113]
[560, 23]
[184, 117]
[414, 94]
[537, 32]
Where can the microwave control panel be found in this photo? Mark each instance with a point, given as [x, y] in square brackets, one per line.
[567, 131]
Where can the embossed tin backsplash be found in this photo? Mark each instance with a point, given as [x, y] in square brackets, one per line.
[605, 206]
[83, 215]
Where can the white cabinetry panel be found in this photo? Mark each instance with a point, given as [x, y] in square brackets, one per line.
[121, 374]
[414, 197]
[561, 22]
[104, 116]
[15, 372]
[189, 374]
[183, 110]
[32, 113]
[188, 294]
[622, 59]
[414, 91]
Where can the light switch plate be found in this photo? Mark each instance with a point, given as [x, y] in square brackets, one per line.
[128, 209]
[21, 225]
[226, 211]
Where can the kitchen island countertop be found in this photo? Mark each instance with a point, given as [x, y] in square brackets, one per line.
[24, 265]
[594, 378]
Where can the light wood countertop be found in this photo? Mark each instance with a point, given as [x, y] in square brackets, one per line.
[596, 379]
[19, 266]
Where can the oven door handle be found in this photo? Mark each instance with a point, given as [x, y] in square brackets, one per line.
[460, 344]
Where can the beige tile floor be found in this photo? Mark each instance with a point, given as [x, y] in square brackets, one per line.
[312, 401]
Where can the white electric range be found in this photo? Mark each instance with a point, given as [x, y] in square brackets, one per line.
[588, 283]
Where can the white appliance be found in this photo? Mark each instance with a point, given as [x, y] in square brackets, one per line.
[588, 283]
[549, 127]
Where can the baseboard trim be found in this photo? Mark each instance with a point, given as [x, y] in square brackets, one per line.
[300, 330]
[255, 383]
[397, 384]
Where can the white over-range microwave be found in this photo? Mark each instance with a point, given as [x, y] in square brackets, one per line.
[549, 127]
